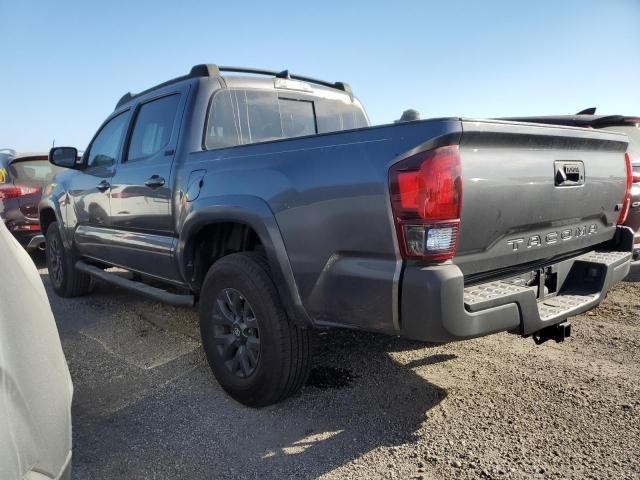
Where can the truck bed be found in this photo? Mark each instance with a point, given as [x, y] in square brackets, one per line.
[330, 198]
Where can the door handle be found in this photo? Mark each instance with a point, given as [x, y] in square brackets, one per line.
[103, 186]
[154, 181]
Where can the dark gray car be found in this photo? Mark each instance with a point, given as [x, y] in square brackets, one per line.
[271, 203]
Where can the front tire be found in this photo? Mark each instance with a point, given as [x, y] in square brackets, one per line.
[67, 281]
[258, 355]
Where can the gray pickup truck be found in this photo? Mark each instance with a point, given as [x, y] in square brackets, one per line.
[266, 199]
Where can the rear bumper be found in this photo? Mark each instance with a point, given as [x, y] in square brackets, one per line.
[36, 242]
[437, 307]
[29, 239]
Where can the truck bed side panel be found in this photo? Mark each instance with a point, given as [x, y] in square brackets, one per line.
[329, 194]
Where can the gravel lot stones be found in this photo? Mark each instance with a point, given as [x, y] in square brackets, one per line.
[146, 405]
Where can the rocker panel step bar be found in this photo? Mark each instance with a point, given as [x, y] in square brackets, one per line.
[154, 293]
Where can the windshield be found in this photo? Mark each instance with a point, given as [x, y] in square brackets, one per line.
[632, 130]
[33, 172]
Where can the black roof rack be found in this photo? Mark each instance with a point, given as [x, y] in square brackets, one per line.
[286, 74]
[212, 70]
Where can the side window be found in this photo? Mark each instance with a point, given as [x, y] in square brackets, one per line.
[353, 118]
[153, 127]
[297, 117]
[104, 149]
[335, 116]
[224, 122]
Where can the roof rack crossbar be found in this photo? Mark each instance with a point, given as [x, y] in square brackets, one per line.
[286, 74]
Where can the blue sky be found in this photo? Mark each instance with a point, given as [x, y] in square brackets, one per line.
[65, 64]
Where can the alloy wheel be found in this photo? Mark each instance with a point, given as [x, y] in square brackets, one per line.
[236, 332]
[55, 261]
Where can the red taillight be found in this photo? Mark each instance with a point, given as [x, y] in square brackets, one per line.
[426, 197]
[28, 227]
[15, 191]
[626, 203]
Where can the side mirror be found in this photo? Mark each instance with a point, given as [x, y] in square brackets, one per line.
[66, 157]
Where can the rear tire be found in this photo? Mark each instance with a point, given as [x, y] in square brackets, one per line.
[258, 355]
[67, 281]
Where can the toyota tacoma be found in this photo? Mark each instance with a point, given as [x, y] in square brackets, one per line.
[267, 200]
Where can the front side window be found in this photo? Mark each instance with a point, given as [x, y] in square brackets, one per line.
[105, 148]
[153, 127]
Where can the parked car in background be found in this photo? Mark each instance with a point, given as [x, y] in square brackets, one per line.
[271, 202]
[615, 123]
[35, 385]
[22, 178]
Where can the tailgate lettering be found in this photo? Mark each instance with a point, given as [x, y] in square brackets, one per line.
[539, 240]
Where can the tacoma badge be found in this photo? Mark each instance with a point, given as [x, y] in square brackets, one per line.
[550, 238]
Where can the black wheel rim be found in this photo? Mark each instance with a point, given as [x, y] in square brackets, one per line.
[55, 261]
[236, 333]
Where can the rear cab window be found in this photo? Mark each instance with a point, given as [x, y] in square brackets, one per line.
[298, 117]
[240, 117]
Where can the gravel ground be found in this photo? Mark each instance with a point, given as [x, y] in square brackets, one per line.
[147, 407]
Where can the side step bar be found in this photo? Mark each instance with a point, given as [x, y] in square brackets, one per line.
[147, 290]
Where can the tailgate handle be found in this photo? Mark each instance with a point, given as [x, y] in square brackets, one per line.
[569, 173]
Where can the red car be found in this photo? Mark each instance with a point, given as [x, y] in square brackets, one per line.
[22, 178]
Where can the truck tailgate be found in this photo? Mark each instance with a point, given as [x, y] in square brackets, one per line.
[533, 193]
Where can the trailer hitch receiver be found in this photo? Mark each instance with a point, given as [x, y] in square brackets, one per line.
[556, 332]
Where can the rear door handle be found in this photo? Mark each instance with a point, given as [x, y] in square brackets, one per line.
[103, 186]
[154, 181]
